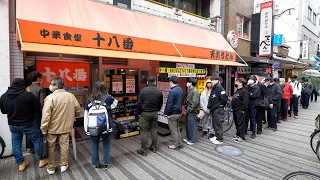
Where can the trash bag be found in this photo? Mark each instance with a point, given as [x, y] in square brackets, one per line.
[43, 147]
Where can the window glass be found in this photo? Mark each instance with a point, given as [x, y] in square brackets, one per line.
[144, 76]
[243, 27]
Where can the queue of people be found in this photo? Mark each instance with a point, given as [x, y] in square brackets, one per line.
[30, 113]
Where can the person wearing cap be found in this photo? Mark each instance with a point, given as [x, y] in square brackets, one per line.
[193, 109]
[254, 103]
[285, 99]
[274, 94]
[207, 119]
[240, 107]
[217, 101]
[294, 99]
[21, 107]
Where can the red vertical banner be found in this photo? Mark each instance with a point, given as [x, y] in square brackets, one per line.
[73, 73]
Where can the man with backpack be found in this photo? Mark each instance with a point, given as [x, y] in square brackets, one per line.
[149, 104]
[58, 115]
[294, 99]
[306, 91]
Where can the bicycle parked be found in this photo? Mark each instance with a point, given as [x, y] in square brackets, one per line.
[315, 138]
[228, 117]
[2, 146]
[301, 175]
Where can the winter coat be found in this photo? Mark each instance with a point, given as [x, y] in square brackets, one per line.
[218, 98]
[174, 101]
[287, 91]
[193, 101]
[150, 99]
[274, 93]
[204, 99]
[254, 95]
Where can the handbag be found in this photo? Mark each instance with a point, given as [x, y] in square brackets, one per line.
[43, 149]
[264, 103]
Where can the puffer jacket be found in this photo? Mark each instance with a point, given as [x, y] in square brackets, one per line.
[287, 91]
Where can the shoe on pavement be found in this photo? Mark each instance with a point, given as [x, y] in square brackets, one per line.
[213, 139]
[64, 168]
[51, 172]
[185, 140]
[142, 152]
[259, 132]
[23, 166]
[153, 149]
[105, 167]
[211, 136]
[239, 140]
[43, 162]
[253, 136]
[274, 129]
[235, 137]
[217, 142]
[190, 143]
[268, 127]
[204, 133]
[278, 121]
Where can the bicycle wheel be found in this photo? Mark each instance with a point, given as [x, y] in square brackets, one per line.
[228, 121]
[314, 138]
[318, 150]
[303, 175]
[2, 146]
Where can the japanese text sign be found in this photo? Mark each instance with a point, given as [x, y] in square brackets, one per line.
[73, 73]
[117, 84]
[130, 84]
[201, 83]
[305, 50]
[277, 39]
[265, 28]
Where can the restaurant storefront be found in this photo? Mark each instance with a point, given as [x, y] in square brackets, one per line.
[91, 41]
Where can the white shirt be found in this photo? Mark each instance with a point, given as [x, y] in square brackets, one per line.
[297, 87]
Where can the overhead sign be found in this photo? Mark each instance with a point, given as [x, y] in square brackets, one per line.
[278, 39]
[259, 70]
[265, 28]
[182, 70]
[244, 70]
[233, 38]
[305, 50]
[276, 64]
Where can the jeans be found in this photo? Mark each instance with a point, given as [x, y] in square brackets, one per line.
[32, 132]
[294, 104]
[173, 122]
[148, 122]
[239, 119]
[305, 100]
[29, 144]
[191, 127]
[106, 149]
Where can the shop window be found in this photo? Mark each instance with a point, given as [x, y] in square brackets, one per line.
[121, 71]
[108, 72]
[134, 72]
[243, 27]
[144, 76]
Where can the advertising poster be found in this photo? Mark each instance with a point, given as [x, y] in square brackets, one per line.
[201, 83]
[265, 28]
[117, 84]
[130, 84]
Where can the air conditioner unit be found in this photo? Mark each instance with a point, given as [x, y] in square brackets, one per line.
[177, 12]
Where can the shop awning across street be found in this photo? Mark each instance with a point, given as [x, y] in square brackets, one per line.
[83, 27]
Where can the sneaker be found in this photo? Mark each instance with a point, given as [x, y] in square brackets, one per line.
[213, 139]
[190, 143]
[259, 132]
[253, 136]
[217, 142]
[105, 167]
[64, 168]
[43, 162]
[185, 140]
[23, 166]
[96, 167]
[204, 133]
[51, 172]
[153, 149]
[211, 136]
[268, 128]
[239, 140]
[235, 137]
[142, 152]
[274, 129]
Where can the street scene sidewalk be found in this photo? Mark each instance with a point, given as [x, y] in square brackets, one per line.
[271, 155]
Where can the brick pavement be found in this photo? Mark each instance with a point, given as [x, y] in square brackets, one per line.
[271, 155]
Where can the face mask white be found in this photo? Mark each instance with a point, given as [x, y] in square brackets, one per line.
[188, 84]
[51, 88]
[250, 81]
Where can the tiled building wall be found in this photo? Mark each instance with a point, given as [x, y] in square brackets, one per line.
[16, 58]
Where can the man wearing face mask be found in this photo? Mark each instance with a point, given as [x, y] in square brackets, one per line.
[173, 110]
[193, 108]
[274, 94]
[207, 119]
[58, 115]
[254, 103]
[36, 89]
[217, 101]
[240, 107]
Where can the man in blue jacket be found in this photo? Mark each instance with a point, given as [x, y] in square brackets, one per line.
[173, 110]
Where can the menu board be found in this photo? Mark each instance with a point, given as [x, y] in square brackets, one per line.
[127, 106]
[117, 84]
[165, 88]
[130, 84]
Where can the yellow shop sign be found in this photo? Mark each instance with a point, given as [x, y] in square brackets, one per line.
[182, 70]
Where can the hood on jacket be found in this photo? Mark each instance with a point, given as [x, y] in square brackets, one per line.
[208, 81]
[17, 87]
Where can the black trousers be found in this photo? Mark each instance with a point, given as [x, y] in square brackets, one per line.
[305, 97]
[272, 116]
[284, 108]
[315, 94]
[239, 119]
[294, 105]
[260, 112]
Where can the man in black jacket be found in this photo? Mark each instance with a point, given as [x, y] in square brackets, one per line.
[217, 101]
[240, 107]
[21, 107]
[149, 104]
[274, 94]
[254, 103]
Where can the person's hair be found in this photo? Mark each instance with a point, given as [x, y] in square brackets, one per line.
[99, 90]
[193, 81]
[293, 77]
[242, 81]
[276, 80]
[213, 78]
[58, 81]
[34, 75]
[174, 79]
[151, 80]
